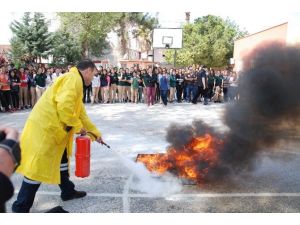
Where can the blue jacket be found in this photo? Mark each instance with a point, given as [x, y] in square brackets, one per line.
[164, 83]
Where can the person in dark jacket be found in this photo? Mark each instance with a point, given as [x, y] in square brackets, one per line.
[15, 89]
[9, 159]
[40, 80]
[113, 85]
[179, 85]
[150, 81]
[202, 87]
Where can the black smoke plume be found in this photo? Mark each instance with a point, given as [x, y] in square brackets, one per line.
[267, 111]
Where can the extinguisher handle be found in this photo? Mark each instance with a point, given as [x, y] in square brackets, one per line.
[92, 134]
[102, 142]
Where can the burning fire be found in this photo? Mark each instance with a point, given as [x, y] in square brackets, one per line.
[192, 162]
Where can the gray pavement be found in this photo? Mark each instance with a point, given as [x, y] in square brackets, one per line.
[272, 186]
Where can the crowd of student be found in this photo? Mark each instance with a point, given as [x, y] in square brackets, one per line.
[153, 85]
[20, 88]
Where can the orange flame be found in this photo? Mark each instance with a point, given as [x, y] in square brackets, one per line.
[192, 162]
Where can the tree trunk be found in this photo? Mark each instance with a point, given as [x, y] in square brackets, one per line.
[123, 38]
[85, 50]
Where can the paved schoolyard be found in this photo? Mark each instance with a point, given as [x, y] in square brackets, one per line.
[273, 186]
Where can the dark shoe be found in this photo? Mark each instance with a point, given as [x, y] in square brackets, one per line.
[76, 194]
[57, 209]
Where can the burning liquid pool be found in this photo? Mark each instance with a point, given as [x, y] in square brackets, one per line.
[192, 162]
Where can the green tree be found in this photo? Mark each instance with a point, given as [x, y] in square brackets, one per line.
[142, 24]
[18, 51]
[91, 29]
[66, 49]
[209, 40]
[145, 25]
[33, 34]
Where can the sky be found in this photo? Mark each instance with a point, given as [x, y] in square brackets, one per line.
[252, 16]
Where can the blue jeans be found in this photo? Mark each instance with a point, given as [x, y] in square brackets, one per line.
[164, 96]
[189, 90]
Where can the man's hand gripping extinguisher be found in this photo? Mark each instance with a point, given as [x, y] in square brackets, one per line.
[83, 155]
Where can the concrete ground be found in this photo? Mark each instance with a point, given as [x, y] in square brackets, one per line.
[273, 186]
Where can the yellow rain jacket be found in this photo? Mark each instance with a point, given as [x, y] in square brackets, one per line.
[44, 137]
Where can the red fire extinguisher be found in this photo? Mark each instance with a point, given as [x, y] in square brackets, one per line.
[83, 154]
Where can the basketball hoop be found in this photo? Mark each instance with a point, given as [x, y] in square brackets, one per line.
[167, 41]
[167, 38]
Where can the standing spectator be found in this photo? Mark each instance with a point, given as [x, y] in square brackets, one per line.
[15, 89]
[49, 79]
[201, 84]
[179, 85]
[104, 84]
[164, 83]
[150, 81]
[172, 85]
[218, 88]
[143, 75]
[210, 83]
[189, 79]
[141, 86]
[134, 87]
[156, 72]
[56, 74]
[225, 84]
[32, 86]
[121, 85]
[233, 86]
[96, 87]
[87, 93]
[113, 85]
[23, 88]
[5, 89]
[40, 80]
[127, 84]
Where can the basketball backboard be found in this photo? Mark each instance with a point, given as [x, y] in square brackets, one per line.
[167, 38]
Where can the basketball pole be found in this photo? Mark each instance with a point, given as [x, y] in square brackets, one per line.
[175, 55]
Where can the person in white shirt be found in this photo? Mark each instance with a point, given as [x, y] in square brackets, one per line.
[96, 87]
[49, 79]
[56, 74]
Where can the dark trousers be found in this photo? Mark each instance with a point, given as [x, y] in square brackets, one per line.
[232, 93]
[210, 91]
[15, 99]
[199, 91]
[87, 90]
[164, 96]
[184, 91]
[225, 91]
[179, 89]
[29, 188]
[5, 99]
[140, 94]
[189, 92]
[157, 93]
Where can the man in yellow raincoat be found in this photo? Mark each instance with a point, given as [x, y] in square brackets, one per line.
[47, 138]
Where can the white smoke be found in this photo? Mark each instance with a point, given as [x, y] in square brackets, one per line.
[147, 182]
